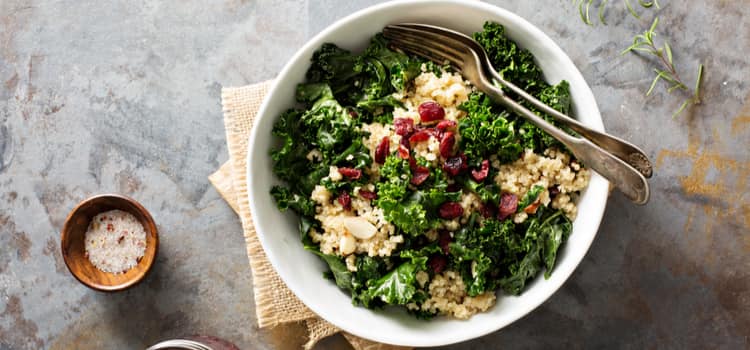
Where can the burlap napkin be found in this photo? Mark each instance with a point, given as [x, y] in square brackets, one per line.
[275, 304]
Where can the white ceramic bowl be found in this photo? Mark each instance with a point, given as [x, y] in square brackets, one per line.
[302, 271]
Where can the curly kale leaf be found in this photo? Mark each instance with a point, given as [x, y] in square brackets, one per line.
[484, 132]
[285, 199]
[544, 234]
[335, 66]
[555, 230]
[337, 270]
[530, 197]
[478, 251]
[366, 80]
[397, 287]
[513, 63]
[517, 66]
[406, 213]
[290, 160]
[401, 67]
[487, 193]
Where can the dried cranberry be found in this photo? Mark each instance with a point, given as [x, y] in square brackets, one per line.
[481, 174]
[444, 241]
[454, 187]
[353, 114]
[351, 173]
[403, 152]
[405, 142]
[368, 194]
[413, 163]
[554, 191]
[437, 263]
[445, 125]
[432, 132]
[446, 144]
[451, 210]
[345, 200]
[488, 210]
[403, 126]
[421, 174]
[382, 151]
[431, 111]
[508, 205]
[455, 165]
[419, 136]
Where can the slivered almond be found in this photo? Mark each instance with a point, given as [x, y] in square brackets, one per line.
[359, 227]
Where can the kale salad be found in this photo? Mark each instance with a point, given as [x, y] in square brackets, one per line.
[415, 188]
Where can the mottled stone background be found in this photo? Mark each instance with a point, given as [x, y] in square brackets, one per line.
[123, 96]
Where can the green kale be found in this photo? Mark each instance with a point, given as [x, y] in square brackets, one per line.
[337, 269]
[531, 196]
[487, 193]
[544, 234]
[290, 161]
[409, 216]
[397, 287]
[484, 132]
[394, 178]
[513, 63]
[334, 66]
[555, 230]
[285, 199]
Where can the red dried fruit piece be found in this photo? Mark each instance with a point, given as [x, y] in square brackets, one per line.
[403, 152]
[508, 205]
[554, 191]
[430, 111]
[403, 126]
[368, 194]
[419, 136]
[446, 144]
[421, 174]
[451, 210]
[454, 187]
[382, 151]
[481, 174]
[488, 210]
[444, 241]
[405, 142]
[430, 131]
[351, 173]
[437, 263]
[412, 163]
[353, 114]
[110, 227]
[455, 165]
[345, 200]
[445, 125]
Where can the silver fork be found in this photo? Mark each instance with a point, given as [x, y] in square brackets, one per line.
[440, 45]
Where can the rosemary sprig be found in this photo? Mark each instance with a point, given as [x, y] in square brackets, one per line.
[584, 7]
[644, 43]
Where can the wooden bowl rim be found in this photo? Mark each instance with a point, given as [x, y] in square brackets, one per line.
[130, 283]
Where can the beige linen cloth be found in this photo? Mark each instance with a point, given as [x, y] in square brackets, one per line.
[275, 304]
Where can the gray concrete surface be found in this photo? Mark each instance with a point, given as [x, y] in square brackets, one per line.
[106, 96]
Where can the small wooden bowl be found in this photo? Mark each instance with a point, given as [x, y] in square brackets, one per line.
[73, 247]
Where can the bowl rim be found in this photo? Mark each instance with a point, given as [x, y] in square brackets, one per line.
[596, 213]
[130, 283]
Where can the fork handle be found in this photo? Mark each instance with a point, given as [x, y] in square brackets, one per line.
[627, 179]
[619, 147]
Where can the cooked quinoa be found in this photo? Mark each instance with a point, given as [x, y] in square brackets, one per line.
[432, 197]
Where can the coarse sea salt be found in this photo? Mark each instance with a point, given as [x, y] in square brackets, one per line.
[115, 241]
